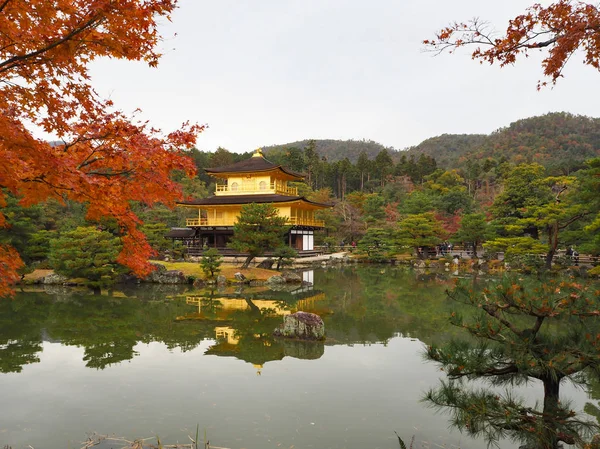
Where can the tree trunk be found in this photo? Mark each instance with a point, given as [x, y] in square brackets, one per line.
[247, 261]
[552, 243]
[549, 438]
[253, 307]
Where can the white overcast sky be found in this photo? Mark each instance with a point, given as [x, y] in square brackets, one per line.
[263, 72]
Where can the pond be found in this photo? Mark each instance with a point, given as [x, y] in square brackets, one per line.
[161, 360]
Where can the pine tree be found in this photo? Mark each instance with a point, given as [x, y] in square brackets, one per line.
[545, 331]
[87, 253]
[211, 262]
[258, 229]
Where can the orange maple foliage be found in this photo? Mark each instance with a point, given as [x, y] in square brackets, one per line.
[106, 159]
[560, 29]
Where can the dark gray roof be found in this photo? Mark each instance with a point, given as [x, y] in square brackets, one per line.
[247, 199]
[180, 233]
[253, 164]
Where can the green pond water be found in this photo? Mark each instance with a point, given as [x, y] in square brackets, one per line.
[160, 360]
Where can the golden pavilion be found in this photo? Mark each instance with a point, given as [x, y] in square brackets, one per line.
[254, 180]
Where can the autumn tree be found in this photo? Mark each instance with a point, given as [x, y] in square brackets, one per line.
[559, 29]
[544, 331]
[103, 158]
[258, 229]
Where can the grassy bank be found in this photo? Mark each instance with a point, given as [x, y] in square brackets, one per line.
[193, 269]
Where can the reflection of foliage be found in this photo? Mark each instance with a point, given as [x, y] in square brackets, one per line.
[594, 392]
[371, 304]
[21, 331]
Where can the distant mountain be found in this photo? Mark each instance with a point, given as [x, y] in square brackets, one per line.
[558, 140]
[448, 149]
[335, 150]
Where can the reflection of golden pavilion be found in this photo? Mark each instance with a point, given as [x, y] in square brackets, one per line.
[235, 304]
[227, 333]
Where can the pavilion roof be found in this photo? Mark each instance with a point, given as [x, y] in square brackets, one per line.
[247, 199]
[256, 163]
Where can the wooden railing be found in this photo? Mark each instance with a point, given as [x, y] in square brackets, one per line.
[192, 222]
[254, 187]
[306, 222]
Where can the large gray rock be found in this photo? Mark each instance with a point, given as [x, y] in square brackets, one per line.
[303, 326]
[163, 276]
[291, 277]
[54, 279]
[267, 264]
[239, 277]
[275, 280]
[198, 283]
[221, 280]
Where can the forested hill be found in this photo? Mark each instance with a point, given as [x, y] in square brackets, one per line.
[334, 150]
[448, 149]
[555, 140]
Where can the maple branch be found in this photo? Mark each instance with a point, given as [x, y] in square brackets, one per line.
[89, 161]
[3, 5]
[545, 43]
[92, 23]
[111, 174]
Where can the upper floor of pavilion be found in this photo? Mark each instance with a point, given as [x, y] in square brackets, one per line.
[254, 176]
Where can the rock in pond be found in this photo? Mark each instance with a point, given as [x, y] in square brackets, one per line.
[275, 280]
[291, 277]
[221, 280]
[239, 277]
[54, 279]
[266, 264]
[163, 276]
[198, 283]
[303, 326]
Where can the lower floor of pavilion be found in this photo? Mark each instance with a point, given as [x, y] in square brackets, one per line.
[200, 238]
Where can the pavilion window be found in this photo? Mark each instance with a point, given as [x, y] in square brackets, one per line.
[234, 186]
[262, 185]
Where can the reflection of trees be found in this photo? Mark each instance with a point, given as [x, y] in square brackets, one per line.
[107, 328]
[254, 338]
[594, 392]
[369, 304]
[374, 303]
[21, 331]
